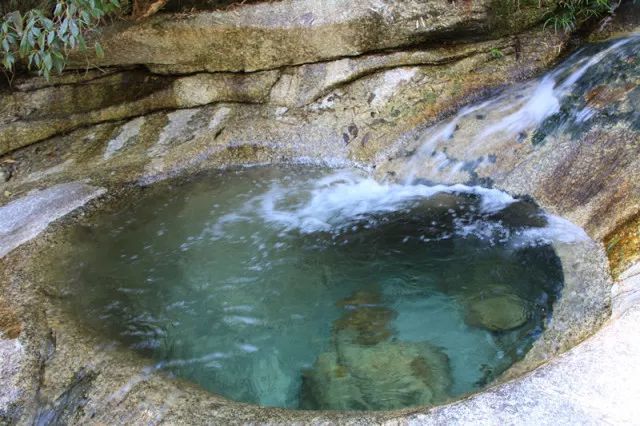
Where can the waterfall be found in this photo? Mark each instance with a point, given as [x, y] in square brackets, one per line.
[516, 111]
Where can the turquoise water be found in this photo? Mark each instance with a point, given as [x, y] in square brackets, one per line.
[317, 289]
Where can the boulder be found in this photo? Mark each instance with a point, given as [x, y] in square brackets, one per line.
[384, 376]
[269, 35]
[497, 313]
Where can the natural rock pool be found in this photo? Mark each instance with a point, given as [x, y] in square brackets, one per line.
[317, 289]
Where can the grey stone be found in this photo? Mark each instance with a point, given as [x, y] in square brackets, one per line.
[24, 218]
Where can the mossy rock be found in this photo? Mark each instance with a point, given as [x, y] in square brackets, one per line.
[385, 376]
[330, 385]
[497, 313]
[366, 322]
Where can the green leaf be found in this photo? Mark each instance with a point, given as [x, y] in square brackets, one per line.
[58, 64]
[42, 37]
[99, 51]
[17, 20]
[74, 28]
[48, 62]
[24, 46]
[64, 26]
[85, 17]
[8, 61]
[57, 11]
[48, 24]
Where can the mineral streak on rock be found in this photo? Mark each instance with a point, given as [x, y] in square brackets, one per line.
[25, 217]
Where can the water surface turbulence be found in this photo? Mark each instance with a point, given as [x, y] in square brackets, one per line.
[318, 289]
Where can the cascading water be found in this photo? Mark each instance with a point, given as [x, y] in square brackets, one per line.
[523, 110]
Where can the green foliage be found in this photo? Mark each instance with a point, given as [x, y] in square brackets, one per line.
[44, 37]
[23, 6]
[571, 13]
[561, 15]
[496, 53]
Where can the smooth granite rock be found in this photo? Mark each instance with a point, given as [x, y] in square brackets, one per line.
[24, 218]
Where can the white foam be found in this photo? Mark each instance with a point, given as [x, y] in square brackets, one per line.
[337, 200]
[245, 347]
[209, 360]
[241, 320]
[543, 102]
[557, 230]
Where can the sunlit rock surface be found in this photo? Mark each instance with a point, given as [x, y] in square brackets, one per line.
[291, 32]
[24, 218]
[297, 63]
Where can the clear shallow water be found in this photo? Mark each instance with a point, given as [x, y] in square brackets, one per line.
[319, 289]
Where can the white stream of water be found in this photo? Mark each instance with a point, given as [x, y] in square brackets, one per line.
[526, 107]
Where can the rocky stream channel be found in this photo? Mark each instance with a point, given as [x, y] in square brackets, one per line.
[409, 95]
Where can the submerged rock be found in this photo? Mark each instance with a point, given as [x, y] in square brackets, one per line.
[367, 370]
[330, 385]
[497, 313]
[367, 322]
[384, 376]
[271, 384]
